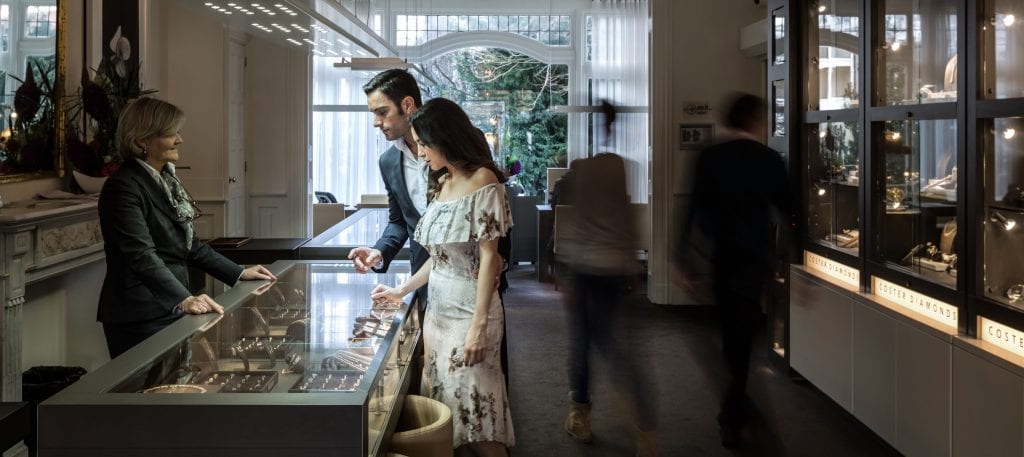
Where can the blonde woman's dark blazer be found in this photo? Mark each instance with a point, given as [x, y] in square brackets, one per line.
[147, 257]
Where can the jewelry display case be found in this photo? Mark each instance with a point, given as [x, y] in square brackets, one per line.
[916, 199]
[917, 51]
[1000, 126]
[307, 365]
[831, 181]
[1004, 212]
[360, 229]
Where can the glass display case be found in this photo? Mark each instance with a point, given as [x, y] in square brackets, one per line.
[832, 129]
[834, 48]
[1004, 212]
[916, 198]
[1002, 42]
[833, 183]
[360, 229]
[306, 365]
[917, 52]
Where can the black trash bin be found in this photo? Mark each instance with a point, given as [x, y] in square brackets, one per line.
[40, 383]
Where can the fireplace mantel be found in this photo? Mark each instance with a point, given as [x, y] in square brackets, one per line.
[40, 239]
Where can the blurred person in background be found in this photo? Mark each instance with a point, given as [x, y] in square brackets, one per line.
[740, 190]
[596, 242]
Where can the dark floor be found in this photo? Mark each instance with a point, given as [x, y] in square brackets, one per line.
[679, 346]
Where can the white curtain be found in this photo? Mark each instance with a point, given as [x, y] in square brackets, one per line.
[619, 73]
[345, 144]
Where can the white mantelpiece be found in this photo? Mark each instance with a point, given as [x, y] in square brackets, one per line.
[40, 239]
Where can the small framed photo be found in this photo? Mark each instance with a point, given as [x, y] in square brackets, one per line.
[695, 136]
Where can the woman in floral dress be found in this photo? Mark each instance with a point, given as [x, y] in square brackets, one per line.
[462, 330]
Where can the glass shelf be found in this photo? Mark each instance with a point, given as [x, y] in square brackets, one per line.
[918, 52]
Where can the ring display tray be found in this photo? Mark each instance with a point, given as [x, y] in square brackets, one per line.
[328, 381]
[285, 316]
[241, 381]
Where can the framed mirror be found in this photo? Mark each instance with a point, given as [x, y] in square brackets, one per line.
[32, 68]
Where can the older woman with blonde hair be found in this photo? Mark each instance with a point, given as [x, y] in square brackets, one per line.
[146, 218]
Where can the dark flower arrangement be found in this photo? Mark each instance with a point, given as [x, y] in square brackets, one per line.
[93, 111]
[31, 144]
[513, 166]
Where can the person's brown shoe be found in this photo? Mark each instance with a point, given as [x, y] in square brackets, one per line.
[646, 442]
[577, 423]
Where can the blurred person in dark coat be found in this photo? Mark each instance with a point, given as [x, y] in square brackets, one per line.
[597, 243]
[146, 218]
[738, 186]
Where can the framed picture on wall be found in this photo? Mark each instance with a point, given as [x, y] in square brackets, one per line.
[695, 136]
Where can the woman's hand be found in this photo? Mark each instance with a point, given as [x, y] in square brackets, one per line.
[475, 349]
[200, 304]
[257, 272]
[383, 293]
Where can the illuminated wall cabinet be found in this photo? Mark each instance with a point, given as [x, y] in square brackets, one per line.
[908, 308]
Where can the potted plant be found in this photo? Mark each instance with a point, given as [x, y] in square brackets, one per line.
[29, 144]
[93, 112]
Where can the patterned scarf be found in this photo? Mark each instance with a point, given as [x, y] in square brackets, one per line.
[181, 201]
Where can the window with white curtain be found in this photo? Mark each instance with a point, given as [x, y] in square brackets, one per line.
[613, 56]
[616, 44]
[345, 145]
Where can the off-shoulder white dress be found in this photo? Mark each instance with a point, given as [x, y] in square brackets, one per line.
[451, 232]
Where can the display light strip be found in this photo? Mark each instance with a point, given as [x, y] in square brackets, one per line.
[830, 269]
[924, 305]
[1000, 335]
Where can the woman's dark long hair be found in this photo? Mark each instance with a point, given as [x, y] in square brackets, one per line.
[442, 125]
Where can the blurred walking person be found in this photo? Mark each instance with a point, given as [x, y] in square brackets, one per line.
[597, 242]
[737, 186]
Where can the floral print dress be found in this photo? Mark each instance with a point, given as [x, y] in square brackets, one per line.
[451, 232]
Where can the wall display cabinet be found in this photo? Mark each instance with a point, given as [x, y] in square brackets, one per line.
[830, 178]
[307, 365]
[912, 179]
[915, 137]
[1000, 124]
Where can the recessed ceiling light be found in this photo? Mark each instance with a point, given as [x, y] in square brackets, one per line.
[293, 42]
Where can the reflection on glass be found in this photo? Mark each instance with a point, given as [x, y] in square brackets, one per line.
[919, 62]
[364, 229]
[314, 330]
[836, 40]
[779, 36]
[1004, 216]
[1006, 164]
[779, 108]
[833, 177]
[918, 227]
[1002, 74]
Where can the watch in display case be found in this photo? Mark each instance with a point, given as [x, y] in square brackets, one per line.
[311, 348]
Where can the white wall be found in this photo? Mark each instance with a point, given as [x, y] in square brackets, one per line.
[59, 322]
[695, 58]
[277, 139]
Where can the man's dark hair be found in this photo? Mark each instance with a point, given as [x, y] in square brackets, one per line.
[745, 112]
[395, 84]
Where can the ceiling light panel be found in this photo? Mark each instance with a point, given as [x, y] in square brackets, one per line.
[317, 25]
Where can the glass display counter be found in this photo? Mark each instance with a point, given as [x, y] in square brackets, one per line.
[307, 365]
[360, 229]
